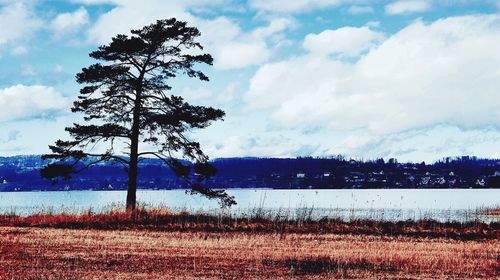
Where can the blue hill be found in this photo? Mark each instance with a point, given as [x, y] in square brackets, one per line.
[21, 173]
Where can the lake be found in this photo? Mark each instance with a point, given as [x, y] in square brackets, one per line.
[384, 204]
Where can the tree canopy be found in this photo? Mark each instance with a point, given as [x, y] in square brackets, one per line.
[125, 98]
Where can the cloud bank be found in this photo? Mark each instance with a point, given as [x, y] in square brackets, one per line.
[407, 7]
[30, 102]
[440, 74]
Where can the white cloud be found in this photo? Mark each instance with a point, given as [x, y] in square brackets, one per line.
[284, 6]
[277, 146]
[426, 144]
[94, 2]
[13, 135]
[28, 70]
[238, 55]
[407, 6]
[349, 41]
[445, 72]
[228, 94]
[10, 136]
[373, 24]
[234, 48]
[275, 26]
[23, 102]
[357, 10]
[19, 50]
[275, 84]
[194, 94]
[70, 22]
[58, 68]
[18, 22]
[230, 46]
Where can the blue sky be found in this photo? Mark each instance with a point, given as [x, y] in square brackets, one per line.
[417, 80]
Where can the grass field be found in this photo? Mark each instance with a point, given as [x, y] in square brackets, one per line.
[160, 245]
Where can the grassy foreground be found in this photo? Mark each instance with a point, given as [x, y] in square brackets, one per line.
[157, 244]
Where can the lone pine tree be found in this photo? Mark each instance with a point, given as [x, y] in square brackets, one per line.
[125, 98]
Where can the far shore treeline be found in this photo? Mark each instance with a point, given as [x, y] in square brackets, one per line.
[21, 173]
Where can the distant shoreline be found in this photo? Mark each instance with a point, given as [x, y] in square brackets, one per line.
[23, 173]
[229, 189]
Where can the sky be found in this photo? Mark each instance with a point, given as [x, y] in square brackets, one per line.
[416, 80]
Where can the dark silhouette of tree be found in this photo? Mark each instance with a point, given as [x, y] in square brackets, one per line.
[126, 99]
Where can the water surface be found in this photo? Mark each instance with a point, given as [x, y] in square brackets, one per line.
[389, 204]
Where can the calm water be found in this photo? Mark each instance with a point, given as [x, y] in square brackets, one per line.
[390, 204]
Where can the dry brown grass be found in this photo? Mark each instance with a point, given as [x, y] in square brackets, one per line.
[48, 253]
[492, 212]
[158, 244]
[164, 220]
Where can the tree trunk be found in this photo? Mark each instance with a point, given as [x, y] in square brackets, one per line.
[134, 143]
[132, 174]
[134, 155]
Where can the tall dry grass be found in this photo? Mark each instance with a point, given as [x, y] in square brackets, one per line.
[161, 219]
